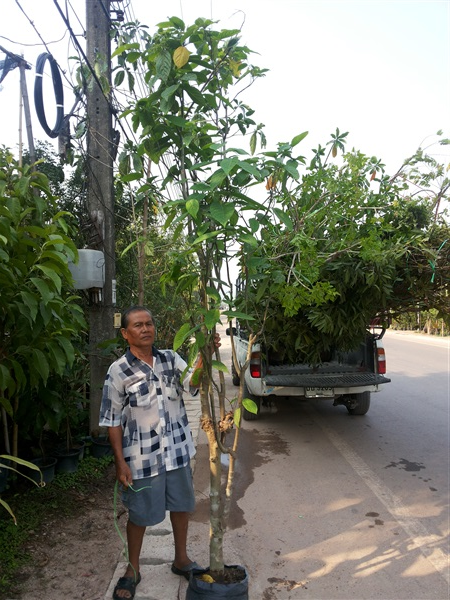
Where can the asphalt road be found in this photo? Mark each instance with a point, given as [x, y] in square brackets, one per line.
[332, 506]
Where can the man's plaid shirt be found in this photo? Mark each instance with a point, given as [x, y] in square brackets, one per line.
[148, 403]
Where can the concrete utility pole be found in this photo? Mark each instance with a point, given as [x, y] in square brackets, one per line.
[100, 194]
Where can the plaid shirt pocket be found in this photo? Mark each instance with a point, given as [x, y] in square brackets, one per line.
[139, 394]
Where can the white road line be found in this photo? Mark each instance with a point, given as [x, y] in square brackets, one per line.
[421, 538]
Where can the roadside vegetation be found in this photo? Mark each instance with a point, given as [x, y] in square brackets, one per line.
[321, 238]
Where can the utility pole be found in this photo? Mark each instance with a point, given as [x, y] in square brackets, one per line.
[100, 194]
[26, 107]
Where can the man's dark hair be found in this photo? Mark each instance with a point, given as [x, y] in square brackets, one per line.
[125, 316]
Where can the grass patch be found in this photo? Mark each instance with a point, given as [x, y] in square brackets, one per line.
[33, 506]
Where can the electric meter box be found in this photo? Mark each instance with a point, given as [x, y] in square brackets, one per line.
[89, 272]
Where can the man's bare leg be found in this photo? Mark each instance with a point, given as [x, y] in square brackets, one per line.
[135, 535]
[180, 522]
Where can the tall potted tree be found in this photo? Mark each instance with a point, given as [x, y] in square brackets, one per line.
[193, 111]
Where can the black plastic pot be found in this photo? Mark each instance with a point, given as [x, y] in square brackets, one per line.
[68, 460]
[47, 467]
[202, 590]
[101, 447]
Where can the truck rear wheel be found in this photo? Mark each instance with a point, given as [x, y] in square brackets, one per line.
[247, 415]
[363, 404]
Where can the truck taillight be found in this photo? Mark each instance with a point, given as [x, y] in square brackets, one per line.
[255, 365]
[381, 359]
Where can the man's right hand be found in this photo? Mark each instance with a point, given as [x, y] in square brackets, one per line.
[123, 471]
[123, 474]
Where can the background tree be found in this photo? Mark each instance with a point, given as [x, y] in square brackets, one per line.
[40, 318]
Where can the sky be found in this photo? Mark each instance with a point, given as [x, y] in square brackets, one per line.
[377, 69]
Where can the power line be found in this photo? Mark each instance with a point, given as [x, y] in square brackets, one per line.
[3, 37]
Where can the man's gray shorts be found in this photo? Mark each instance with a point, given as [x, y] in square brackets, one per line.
[151, 497]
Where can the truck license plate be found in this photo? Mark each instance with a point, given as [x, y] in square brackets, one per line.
[319, 392]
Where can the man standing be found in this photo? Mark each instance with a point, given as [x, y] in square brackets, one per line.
[143, 408]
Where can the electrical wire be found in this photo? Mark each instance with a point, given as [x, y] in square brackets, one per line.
[3, 37]
[34, 27]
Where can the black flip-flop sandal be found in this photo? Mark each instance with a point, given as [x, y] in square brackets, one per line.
[126, 583]
[185, 571]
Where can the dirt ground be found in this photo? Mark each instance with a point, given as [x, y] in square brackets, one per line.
[74, 557]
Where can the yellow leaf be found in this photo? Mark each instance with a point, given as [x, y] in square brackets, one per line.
[207, 578]
[334, 152]
[180, 56]
[235, 67]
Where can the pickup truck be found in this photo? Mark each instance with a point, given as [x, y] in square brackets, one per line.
[347, 378]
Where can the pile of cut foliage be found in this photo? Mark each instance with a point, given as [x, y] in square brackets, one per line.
[350, 244]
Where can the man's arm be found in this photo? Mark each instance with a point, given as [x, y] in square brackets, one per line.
[123, 471]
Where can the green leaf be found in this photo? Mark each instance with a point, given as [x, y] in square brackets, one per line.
[235, 314]
[42, 288]
[55, 255]
[5, 403]
[291, 168]
[8, 509]
[219, 366]
[5, 382]
[212, 317]
[228, 164]
[51, 274]
[248, 238]
[250, 168]
[213, 293]
[222, 211]
[123, 48]
[262, 290]
[68, 348]
[237, 417]
[298, 138]
[40, 365]
[196, 95]
[177, 121]
[132, 57]
[30, 300]
[178, 23]
[284, 218]
[204, 237]
[250, 405]
[58, 357]
[118, 78]
[253, 142]
[217, 178]
[166, 94]
[163, 65]
[184, 333]
[192, 206]
[19, 461]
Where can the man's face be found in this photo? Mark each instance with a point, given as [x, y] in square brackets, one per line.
[140, 331]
